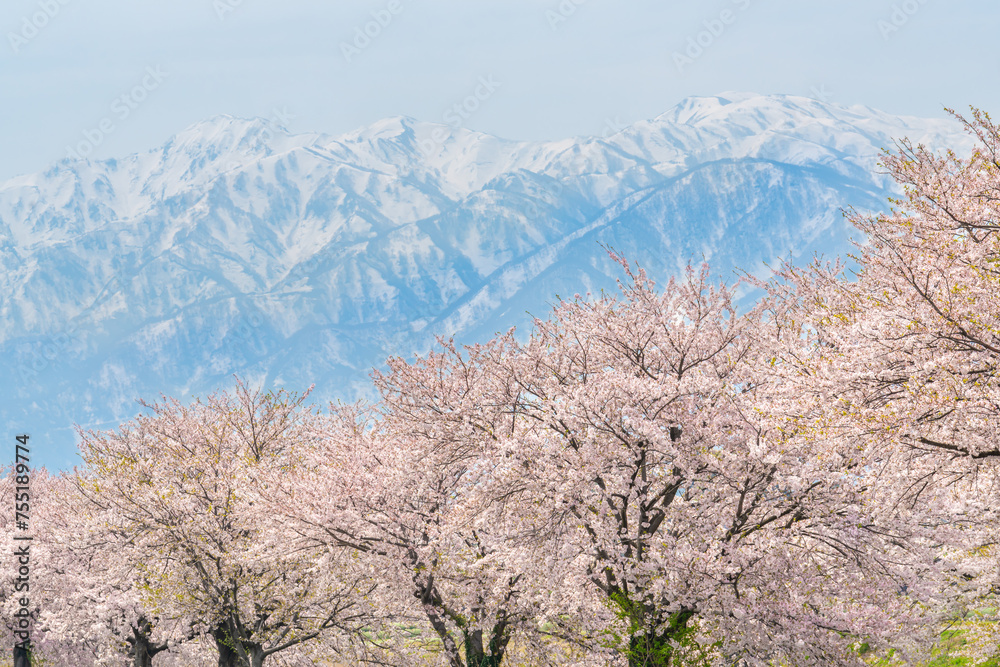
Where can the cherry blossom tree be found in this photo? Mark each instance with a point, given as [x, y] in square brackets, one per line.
[919, 323]
[104, 585]
[85, 606]
[180, 484]
[418, 503]
[907, 349]
[704, 522]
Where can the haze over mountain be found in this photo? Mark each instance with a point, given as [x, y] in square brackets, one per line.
[237, 247]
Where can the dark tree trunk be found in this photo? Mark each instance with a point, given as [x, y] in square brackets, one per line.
[431, 602]
[256, 656]
[477, 655]
[227, 652]
[141, 656]
[253, 654]
[22, 657]
[474, 656]
[141, 649]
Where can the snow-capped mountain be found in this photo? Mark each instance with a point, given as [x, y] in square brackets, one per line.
[237, 247]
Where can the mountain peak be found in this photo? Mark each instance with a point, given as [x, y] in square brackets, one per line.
[225, 133]
[386, 128]
[694, 110]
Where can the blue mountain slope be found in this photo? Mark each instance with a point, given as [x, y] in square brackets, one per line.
[300, 259]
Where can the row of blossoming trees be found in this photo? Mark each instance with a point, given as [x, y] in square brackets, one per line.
[647, 480]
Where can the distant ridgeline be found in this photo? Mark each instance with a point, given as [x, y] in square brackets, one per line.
[304, 259]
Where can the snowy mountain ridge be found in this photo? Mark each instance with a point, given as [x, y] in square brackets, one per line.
[237, 247]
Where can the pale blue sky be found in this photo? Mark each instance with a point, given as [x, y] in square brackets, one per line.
[65, 65]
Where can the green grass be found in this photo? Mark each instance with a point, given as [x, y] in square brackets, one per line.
[947, 652]
[953, 641]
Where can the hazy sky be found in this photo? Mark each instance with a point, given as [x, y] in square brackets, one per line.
[122, 76]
